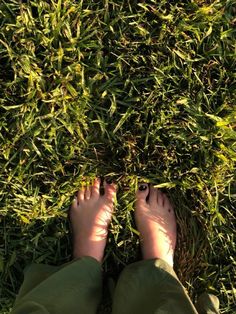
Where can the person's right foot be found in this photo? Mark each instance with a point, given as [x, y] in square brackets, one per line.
[155, 219]
[90, 216]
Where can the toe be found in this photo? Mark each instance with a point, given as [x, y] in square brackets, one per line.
[153, 195]
[81, 195]
[96, 188]
[160, 198]
[74, 203]
[109, 190]
[87, 193]
[142, 192]
[167, 203]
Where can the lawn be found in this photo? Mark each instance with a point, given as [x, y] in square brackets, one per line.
[133, 90]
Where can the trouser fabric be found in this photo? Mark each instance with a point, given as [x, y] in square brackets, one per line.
[145, 287]
[72, 289]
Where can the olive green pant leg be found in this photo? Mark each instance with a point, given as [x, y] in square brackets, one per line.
[74, 288]
[150, 286]
[34, 274]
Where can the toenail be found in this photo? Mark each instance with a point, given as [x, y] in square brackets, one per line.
[142, 187]
[109, 181]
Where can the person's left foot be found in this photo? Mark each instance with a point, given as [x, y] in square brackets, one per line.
[156, 222]
[90, 216]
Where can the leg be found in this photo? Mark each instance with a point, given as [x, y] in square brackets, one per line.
[74, 287]
[151, 286]
[34, 274]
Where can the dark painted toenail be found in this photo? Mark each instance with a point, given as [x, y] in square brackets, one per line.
[109, 181]
[142, 187]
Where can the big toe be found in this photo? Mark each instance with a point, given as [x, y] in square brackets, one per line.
[142, 193]
[96, 188]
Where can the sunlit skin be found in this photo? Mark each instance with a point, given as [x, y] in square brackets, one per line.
[91, 214]
[155, 219]
[90, 217]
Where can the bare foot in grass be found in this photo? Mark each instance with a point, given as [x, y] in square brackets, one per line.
[90, 217]
[156, 223]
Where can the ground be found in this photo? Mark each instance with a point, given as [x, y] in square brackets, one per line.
[130, 90]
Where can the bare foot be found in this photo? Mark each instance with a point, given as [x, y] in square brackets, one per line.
[90, 216]
[156, 223]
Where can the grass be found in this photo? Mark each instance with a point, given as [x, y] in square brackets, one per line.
[132, 90]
